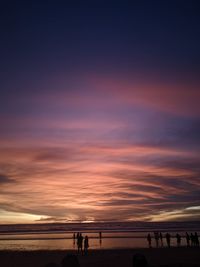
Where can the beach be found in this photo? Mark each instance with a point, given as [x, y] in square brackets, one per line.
[38, 245]
[173, 257]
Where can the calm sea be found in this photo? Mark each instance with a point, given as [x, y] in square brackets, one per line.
[114, 235]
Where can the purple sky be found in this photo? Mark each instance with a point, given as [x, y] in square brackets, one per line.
[100, 114]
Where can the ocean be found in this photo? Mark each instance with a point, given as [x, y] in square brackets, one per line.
[115, 235]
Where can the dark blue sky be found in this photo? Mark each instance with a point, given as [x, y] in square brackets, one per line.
[107, 36]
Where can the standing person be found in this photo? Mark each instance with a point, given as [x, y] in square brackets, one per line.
[156, 236]
[161, 239]
[192, 239]
[86, 245]
[178, 239]
[168, 239]
[74, 239]
[77, 241]
[149, 240]
[80, 243]
[196, 239]
[100, 240]
[77, 235]
[187, 239]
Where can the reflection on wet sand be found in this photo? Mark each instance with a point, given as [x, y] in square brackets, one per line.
[68, 241]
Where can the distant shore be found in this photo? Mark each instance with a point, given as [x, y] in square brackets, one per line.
[184, 257]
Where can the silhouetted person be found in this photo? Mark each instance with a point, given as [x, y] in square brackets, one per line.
[187, 239]
[86, 245]
[168, 239]
[70, 260]
[161, 239]
[196, 239]
[192, 239]
[80, 243]
[100, 235]
[77, 238]
[77, 235]
[74, 240]
[156, 236]
[139, 260]
[178, 240]
[100, 242]
[149, 240]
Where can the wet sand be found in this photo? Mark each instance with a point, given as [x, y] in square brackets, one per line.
[174, 257]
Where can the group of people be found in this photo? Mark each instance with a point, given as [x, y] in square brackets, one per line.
[82, 242]
[191, 240]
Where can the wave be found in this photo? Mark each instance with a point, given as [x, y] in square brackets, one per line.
[97, 227]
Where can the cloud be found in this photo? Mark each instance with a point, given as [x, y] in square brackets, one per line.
[4, 179]
[109, 155]
[105, 189]
[178, 215]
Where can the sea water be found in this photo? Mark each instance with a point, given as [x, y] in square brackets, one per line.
[114, 235]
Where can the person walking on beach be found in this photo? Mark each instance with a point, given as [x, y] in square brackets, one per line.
[168, 239]
[86, 245]
[178, 239]
[187, 239]
[149, 240]
[161, 239]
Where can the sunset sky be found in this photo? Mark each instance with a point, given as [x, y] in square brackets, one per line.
[99, 111]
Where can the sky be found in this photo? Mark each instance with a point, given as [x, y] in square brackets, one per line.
[99, 111]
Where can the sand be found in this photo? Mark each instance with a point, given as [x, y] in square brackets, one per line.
[180, 257]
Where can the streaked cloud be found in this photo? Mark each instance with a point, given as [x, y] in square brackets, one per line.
[118, 151]
[99, 182]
